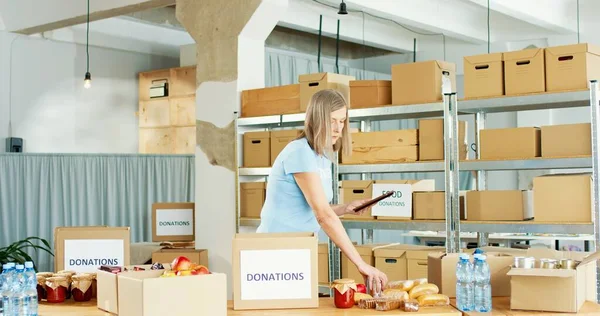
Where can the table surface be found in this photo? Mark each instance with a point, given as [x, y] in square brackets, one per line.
[326, 307]
[501, 307]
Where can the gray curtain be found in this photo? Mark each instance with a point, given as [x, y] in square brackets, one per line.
[39, 192]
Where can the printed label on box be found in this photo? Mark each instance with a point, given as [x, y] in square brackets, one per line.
[174, 222]
[86, 255]
[275, 274]
[399, 204]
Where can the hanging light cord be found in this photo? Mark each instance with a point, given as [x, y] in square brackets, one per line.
[488, 25]
[87, 38]
[390, 20]
[578, 22]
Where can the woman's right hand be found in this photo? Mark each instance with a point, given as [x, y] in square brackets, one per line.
[375, 279]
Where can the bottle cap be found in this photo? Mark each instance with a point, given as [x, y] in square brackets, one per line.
[20, 267]
[11, 264]
[5, 266]
[464, 256]
[476, 256]
[481, 257]
[28, 264]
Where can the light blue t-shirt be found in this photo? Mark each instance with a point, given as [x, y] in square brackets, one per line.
[286, 208]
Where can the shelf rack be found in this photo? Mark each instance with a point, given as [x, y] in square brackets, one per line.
[449, 109]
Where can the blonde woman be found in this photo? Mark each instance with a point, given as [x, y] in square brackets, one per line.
[300, 189]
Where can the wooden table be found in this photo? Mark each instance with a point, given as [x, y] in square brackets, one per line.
[501, 307]
[326, 307]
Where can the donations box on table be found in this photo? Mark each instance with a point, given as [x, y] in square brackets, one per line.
[173, 222]
[275, 271]
[85, 248]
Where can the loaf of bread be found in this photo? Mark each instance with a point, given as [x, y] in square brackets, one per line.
[361, 296]
[410, 305]
[420, 281]
[433, 300]
[387, 304]
[368, 303]
[401, 285]
[395, 294]
[422, 289]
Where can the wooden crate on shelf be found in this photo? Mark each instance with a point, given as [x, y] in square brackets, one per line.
[183, 111]
[183, 81]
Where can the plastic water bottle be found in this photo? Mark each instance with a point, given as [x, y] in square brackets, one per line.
[31, 300]
[464, 284]
[5, 290]
[483, 288]
[18, 291]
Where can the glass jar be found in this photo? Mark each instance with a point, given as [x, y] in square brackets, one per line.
[56, 288]
[81, 288]
[67, 275]
[94, 285]
[343, 296]
[41, 287]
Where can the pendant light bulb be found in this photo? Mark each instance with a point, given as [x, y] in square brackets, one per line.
[343, 9]
[87, 83]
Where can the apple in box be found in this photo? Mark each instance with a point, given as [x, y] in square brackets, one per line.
[183, 266]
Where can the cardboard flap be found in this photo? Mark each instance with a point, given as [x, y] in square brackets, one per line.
[257, 135]
[370, 83]
[484, 59]
[285, 133]
[557, 273]
[357, 184]
[312, 77]
[525, 54]
[444, 65]
[566, 50]
[539, 253]
[591, 258]
[252, 185]
[274, 235]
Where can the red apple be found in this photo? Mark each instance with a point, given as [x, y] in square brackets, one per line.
[181, 263]
[186, 272]
[201, 269]
[361, 288]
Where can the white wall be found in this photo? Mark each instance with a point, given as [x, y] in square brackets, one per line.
[52, 111]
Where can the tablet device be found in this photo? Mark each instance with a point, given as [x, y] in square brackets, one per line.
[374, 201]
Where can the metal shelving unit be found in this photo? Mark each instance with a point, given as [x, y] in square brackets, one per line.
[449, 109]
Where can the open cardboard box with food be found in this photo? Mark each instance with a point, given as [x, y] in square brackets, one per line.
[553, 281]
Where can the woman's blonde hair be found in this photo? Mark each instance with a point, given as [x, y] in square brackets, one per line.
[317, 124]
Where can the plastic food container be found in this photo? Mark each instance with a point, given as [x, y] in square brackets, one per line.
[524, 262]
[81, 288]
[343, 296]
[56, 288]
[567, 264]
[548, 263]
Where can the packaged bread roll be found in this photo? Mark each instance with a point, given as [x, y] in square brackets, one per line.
[406, 285]
[361, 296]
[412, 305]
[395, 294]
[368, 303]
[422, 289]
[387, 304]
[420, 281]
[433, 300]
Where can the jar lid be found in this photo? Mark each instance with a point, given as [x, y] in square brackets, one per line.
[45, 274]
[56, 279]
[66, 272]
[83, 277]
[65, 275]
[344, 281]
[40, 278]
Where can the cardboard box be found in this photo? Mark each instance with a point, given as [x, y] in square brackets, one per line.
[323, 263]
[289, 259]
[312, 83]
[173, 222]
[107, 298]
[398, 206]
[432, 205]
[499, 205]
[85, 248]
[567, 140]
[383, 147]
[510, 143]
[524, 71]
[420, 82]
[252, 199]
[144, 293]
[416, 263]
[257, 148]
[352, 190]
[349, 270]
[575, 286]
[393, 259]
[198, 256]
[571, 67]
[431, 140]
[271, 101]
[370, 93]
[563, 198]
[484, 76]
[441, 270]
[280, 139]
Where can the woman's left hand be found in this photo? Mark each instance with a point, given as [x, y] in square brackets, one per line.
[350, 207]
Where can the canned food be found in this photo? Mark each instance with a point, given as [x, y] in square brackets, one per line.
[524, 262]
[567, 264]
[548, 263]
